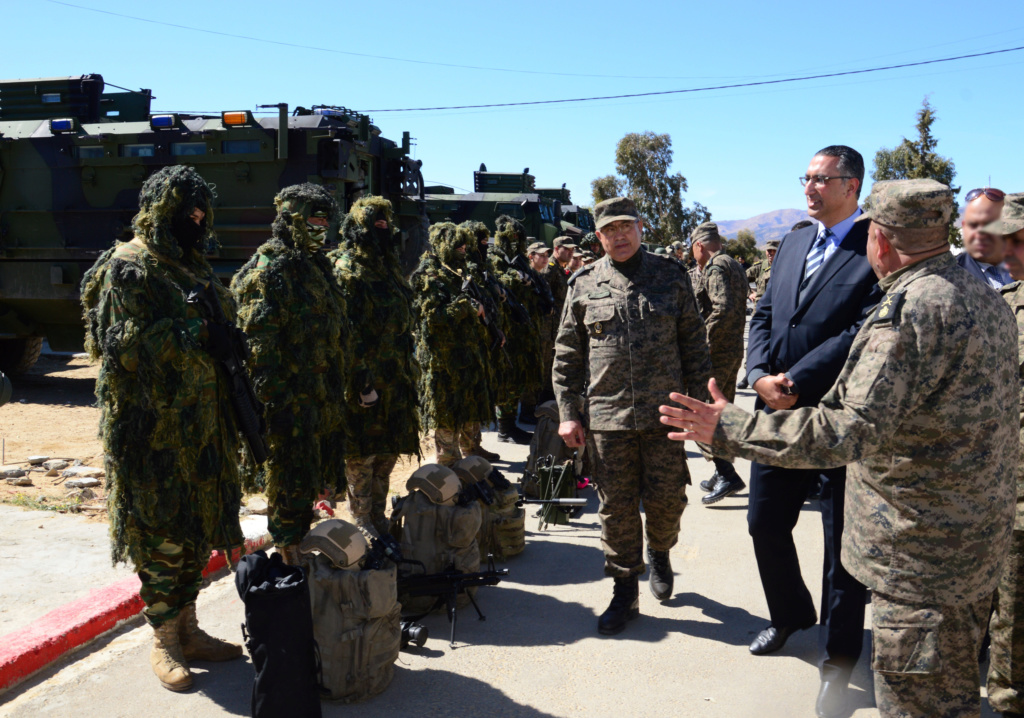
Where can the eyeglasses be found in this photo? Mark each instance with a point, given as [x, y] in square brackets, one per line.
[819, 180]
[996, 195]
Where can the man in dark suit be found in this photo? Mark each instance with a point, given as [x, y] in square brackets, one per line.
[822, 287]
[983, 252]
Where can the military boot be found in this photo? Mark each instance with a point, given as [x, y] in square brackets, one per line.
[290, 554]
[379, 520]
[484, 454]
[661, 574]
[526, 414]
[166, 658]
[625, 606]
[197, 644]
[509, 433]
[366, 525]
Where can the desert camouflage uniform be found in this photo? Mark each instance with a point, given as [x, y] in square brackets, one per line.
[451, 344]
[721, 291]
[558, 282]
[292, 309]
[629, 336]
[169, 436]
[379, 303]
[925, 405]
[1006, 656]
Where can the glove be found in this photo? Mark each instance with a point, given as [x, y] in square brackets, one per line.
[368, 397]
[220, 341]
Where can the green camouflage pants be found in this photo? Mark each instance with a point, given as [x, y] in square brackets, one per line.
[724, 372]
[171, 576]
[289, 516]
[368, 483]
[1006, 657]
[631, 467]
[925, 657]
[448, 442]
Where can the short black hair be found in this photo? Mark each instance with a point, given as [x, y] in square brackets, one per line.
[801, 224]
[851, 162]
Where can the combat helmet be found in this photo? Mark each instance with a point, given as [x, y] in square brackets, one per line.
[341, 542]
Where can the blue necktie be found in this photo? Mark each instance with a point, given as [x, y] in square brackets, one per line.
[817, 254]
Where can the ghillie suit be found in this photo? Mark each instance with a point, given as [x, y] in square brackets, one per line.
[170, 440]
[379, 302]
[294, 313]
[521, 375]
[451, 344]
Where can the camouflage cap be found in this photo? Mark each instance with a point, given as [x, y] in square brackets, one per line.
[772, 244]
[706, 232]
[537, 248]
[909, 204]
[615, 210]
[564, 241]
[1011, 220]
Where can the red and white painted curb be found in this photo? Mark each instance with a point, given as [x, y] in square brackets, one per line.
[64, 629]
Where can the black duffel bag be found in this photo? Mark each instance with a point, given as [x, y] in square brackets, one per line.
[278, 634]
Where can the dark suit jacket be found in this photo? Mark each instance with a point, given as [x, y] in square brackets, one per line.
[810, 339]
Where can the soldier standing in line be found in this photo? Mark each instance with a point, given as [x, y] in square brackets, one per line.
[926, 403]
[720, 286]
[629, 330]
[558, 283]
[561, 254]
[451, 344]
[292, 309]
[169, 436]
[381, 418]
[761, 272]
[1006, 656]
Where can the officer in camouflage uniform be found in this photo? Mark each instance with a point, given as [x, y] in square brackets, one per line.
[381, 418]
[522, 378]
[169, 436]
[1006, 656]
[721, 289]
[926, 404]
[451, 344]
[628, 332]
[292, 309]
[761, 272]
[558, 284]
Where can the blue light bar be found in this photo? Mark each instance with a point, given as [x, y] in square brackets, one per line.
[158, 122]
[62, 124]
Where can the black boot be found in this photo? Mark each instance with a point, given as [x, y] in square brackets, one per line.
[729, 482]
[625, 606]
[509, 433]
[661, 574]
[526, 414]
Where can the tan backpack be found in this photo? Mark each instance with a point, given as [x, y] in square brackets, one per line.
[503, 529]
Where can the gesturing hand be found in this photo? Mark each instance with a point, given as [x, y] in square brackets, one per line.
[697, 419]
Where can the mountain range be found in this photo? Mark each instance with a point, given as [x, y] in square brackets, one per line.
[770, 225]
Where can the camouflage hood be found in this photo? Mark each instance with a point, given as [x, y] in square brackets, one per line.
[480, 234]
[445, 239]
[170, 194]
[510, 239]
[295, 205]
[360, 236]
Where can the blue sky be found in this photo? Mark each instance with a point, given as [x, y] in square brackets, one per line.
[740, 149]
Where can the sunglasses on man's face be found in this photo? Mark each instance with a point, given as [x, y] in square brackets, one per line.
[996, 195]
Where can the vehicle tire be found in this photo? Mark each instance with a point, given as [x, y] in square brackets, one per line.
[18, 355]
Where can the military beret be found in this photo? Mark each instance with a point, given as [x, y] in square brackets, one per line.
[909, 204]
[772, 244]
[707, 232]
[1012, 218]
[537, 248]
[614, 210]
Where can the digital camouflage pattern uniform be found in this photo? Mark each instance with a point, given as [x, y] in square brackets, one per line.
[292, 309]
[925, 405]
[523, 340]
[558, 282]
[379, 303]
[169, 436]
[451, 348]
[628, 336]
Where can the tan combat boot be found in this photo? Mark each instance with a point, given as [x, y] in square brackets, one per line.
[197, 644]
[166, 658]
[366, 526]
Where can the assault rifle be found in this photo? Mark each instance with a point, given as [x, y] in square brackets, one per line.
[490, 318]
[516, 310]
[247, 407]
[540, 287]
[447, 585]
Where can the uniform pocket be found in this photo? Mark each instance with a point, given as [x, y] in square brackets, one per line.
[909, 645]
[603, 327]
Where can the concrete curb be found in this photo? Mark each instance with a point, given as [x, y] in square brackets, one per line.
[73, 625]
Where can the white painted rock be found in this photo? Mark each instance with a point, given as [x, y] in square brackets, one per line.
[37, 460]
[55, 465]
[84, 472]
[82, 483]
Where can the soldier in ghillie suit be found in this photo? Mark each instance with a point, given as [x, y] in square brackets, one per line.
[291, 307]
[520, 376]
[171, 445]
[381, 400]
[451, 348]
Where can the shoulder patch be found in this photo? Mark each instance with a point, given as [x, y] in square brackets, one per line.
[1009, 288]
[889, 307]
[580, 271]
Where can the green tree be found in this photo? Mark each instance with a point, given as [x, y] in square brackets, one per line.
[918, 160]
[743, 247]
[642, 160]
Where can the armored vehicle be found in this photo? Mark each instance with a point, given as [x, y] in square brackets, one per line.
[73, 158]
[541, 211]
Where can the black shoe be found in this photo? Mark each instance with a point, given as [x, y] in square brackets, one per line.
[509, 433]
[773, 638]
[831, 701]
[814, 493]
[724, 487]
[625, 606]
[661, 574]
[709, 484]
[742, 384]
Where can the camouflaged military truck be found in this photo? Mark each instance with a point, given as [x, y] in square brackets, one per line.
[543, 212]
[73, 158]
